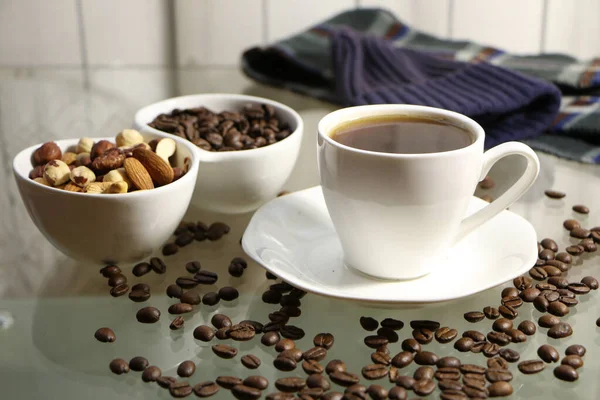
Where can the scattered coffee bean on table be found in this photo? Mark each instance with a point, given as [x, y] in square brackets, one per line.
[497, 363]
[211, 298]
[312, 367]
[228, 293]
[224, 351]
[228, 382]
[177, 323]
[139, 296]
[284, 364]
[344, 378]
[256, 381]
[206, 389]
[491, 312]
[151, 374]
[290, 384]
[581, 209]
[500, 389]
[548, 321]
[474, 316]
[446, 335]
[423, 387]
[403, 359]
[243, 392]
[464, 344]
[548, 353]
[180, 308]
[575, 349]
[174, 291]
[572, 360]
[206, 277]
[388, 333]
[448, 362]
[141, 269]
[316, 353]
[148, 315]
[119, 366]
[527, 327]
[292, 332]
[186, 369]
[397, 393]
[425, 324]
[369, 324]
[531, 366]
[105, 335]
[555, 194]
[566, 373]
[374, 371]
[423, 335]
[335, 366]
[411, 345]
[110, 270]
[377, 392]
[138, 363]
[116, 280]
[158, 265]
[447, 373]
[509, 355]
[324, 340]
[560, 330]
[193, 266]
[168, 250]
[165, 382]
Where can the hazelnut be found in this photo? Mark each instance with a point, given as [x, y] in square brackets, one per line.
[117, 187]
[117, 175]
[69, 157]
[83, 159]
[129, 137]
[47, 152]
[81, 176]
[42, 181]
[165, 148]
[100, 148]
[56, 172]
[84, 145]
[111, 159]
[37, 172]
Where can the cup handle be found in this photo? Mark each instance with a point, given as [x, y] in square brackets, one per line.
[513, 193]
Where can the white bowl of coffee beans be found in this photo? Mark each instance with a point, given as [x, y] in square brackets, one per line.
[105, 200]
[248, 145]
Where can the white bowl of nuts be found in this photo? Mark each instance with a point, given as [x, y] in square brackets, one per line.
[108, 199]
[248, 145]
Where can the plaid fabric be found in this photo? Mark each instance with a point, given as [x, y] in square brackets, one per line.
[303, 63]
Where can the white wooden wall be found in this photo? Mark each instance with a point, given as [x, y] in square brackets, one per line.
[141, 33]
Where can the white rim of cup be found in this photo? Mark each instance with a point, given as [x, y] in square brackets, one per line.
[407, 110]
[181, 181]
[225, 154]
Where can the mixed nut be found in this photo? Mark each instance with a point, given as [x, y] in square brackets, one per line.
[104, 167]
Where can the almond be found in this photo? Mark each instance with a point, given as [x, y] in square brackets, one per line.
[160, 171]
[138, 174]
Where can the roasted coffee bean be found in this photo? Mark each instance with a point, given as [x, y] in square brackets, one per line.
[139, 296]
[282, 287]
[543, 286]
[491, 312]
[497, 363]
[447, 373]
[448, 362]
[508, 312]
[464, 344]
[290, 384]
[177, 323]
[206, 389]
[472, 369]
[560, 330]
[569, 302]
[224, 351]
[151, 374]
[579, 233]
[500, 389]
[426, 358]
[423, 387]
[377, 392]
[357, 390]
[548, 353]
[549, 244]
[547, 254]
[206, 277]
[235, 270]
[184, 239]
[502, 325]
[326, 396]
[541, 303]
[527, 327]
[374, 371]
[241, 332]
[397, 393]
[595, 236]
[578, 288]
[190, 297]
[572, 360]
[476, 393]
[474, 381]
[516, 336]
[285, 344]
[528, 295]
[148, 315]
[316, 353]
[270, 338]
[474, 316]
[423, 373]
[446, 335]
[318, 381]
[221, 321]
[141, 269]
[575, 350]
[575, 250]
[563, 257]
[138, 364]
[406, 382]
[478, 347]
[509, 292]
[581, 209]
[222, 333]
[294, 354]
[566, 373]
[500, 338]
[498, 375]
[256, 381]
[211, 298]
[312, 367]
[453, 395]
[105, 335]
[180, 308]
[193, 266]
[292, 332]
[228, 382]
[555, 194]
[513, 301]
[289, 300]
[168, 250]
[490, 349]
[335, 366]
[423, 335]
[531, 366]
[557, 308]
[425, 324]
[381, 358]
[590, 282]
[403, 359]
[450, 385]
[392, 323]
[258, 327]
[228, 293]
[158, 265]
[243, 392]
[375, 341]
[475, 335]
[291, 311]
[284, 364]
[186, 369]
[344, 378]
[548, 321]
[174, 291]
[204, 333]
[538, 273]
[509, 355]
[369, 324]
[411, 345]
[550, 295]
[271, 297]
[117, 280]
[551, 270]
[165, 382]
[185, 282]
[217, 230]
[110, 270]
[571, 224]
[388, 333]
[324, 340]
[565, 293]
[522, 282]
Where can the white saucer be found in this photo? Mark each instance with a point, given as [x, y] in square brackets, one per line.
[293, 237]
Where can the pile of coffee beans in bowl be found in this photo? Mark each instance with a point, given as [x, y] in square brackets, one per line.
[105, 167]
[254, 126]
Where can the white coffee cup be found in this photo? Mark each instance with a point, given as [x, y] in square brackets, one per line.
[397, 214]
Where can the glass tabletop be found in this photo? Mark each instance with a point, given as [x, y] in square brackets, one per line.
[50, 305]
